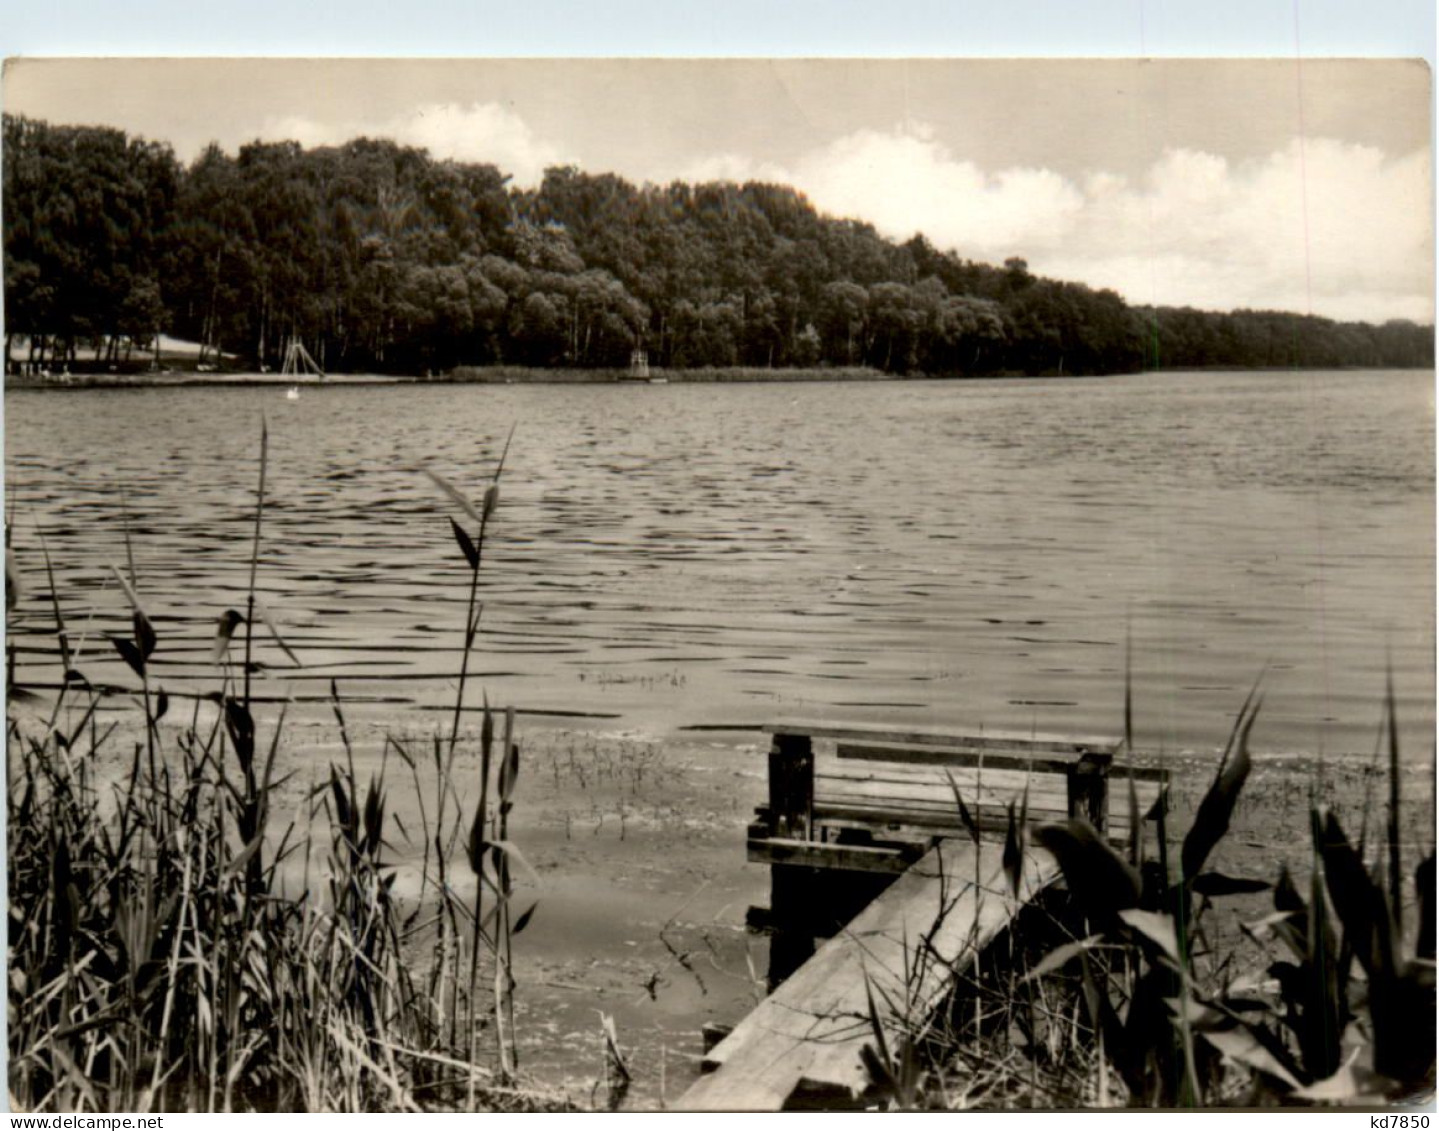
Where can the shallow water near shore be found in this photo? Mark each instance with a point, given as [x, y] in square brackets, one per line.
[957, 554]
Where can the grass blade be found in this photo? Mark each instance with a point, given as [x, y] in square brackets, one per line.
[275, 632]
[1157, 929]
[12, 576]
[467, 545]
[130, 594]
[1358, 901]
[130, 654]
[1061, 956]
[1214, 884]
[453, 493]
[1136, 826]
[965, 816]
[225, 631]
[255, 549]
[500, 467]
[1211, 821]
[1424, 883]
[1396, 874]
[1100, 879]
[1013, 858]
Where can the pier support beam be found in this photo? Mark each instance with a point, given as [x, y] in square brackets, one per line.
[809, 905]
[1089, 789]
[791, 786]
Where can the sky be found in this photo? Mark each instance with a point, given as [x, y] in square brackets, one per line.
[1292, 183]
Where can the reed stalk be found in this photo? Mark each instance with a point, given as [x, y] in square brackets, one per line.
[159, 962]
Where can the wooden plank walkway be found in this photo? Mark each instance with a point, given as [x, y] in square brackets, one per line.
[807, 1035]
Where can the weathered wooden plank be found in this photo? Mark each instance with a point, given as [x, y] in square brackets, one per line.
[938, 793]
[991, 774]
[1042, 761]
[1121, 771]
[829, 767]
[966, 777]
[882, 818]
[921, 736]
[817, 854]
[918, 823]
[960, 760]
[813, 1027]
[1048, 800]
[827, 807]
[940, 818]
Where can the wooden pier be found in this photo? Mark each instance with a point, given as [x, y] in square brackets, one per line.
[880, 893]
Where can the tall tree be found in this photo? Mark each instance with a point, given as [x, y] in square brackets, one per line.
[379, 257]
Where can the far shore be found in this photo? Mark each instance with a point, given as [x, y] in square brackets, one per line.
[463, 375]
[180, 378]
[517, 375]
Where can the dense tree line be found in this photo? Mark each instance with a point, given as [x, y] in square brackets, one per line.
[377, 257]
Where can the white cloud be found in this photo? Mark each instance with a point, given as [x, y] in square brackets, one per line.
[905, 182]
[1338, 228]
[482, 131]
[1341, 229]
[733, 167]
[908, 182]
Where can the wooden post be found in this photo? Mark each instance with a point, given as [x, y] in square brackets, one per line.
[792, 910]
[1089, 789]
[791, 807]
[791, 786]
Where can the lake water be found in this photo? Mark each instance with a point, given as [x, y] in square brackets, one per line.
[965, 555]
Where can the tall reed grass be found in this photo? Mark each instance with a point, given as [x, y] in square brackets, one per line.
[177, 944]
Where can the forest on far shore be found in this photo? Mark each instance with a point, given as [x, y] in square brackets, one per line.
[379, 258]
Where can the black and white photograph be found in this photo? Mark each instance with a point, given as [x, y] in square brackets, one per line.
[738, 584]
